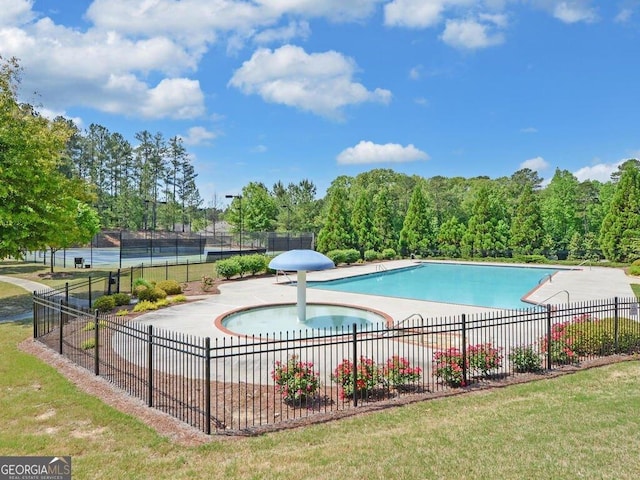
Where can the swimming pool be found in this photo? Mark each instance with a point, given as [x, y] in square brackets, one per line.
[478, 285]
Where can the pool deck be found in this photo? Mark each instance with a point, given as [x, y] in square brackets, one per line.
[197, 318]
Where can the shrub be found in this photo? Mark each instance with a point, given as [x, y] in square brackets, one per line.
[141, 282]
[561, 345]
[88, 344]
[367, 377]
[179, 299]
[206, 283]
[296, 380]
[171, 287]
[92, 325]
[634, 269]
[531, 259]
[122, 313]
[337, 256]
[228, 267]
[448, 366]
[105, 303]
[636, 263]
[397, 372]
[144, 306]
[137, 289]
[152, 294]
[371, 256]
[351, 256]
[254, 263]
[525, 359]
[121, 299]
[591, 336]
[162, 302]
[483, 358]
[388, 254]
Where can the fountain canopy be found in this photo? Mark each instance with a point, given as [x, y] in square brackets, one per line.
[301, 261]
[296, 260]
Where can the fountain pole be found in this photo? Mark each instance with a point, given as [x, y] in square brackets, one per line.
[302, 295]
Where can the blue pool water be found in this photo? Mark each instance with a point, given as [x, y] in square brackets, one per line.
[479, 285]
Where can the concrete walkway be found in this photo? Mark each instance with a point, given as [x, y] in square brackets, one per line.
[197, 318]
[29, 286]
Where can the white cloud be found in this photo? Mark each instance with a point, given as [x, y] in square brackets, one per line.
[198, 136]
[284, 34]
[569, 11]
[321, 83]
[537, 164]
[15, 12]
[601, 172]
[624, 15]
[368, 152]
[529, 130]
[415, 73]
[414, 13]
[470, 34]
[423, 102]
[259, 149]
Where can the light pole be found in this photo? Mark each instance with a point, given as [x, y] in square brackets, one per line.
[288, 207]
[239, 197]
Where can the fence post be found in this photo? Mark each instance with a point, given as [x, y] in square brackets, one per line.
[66, 292]
[207, 385]
[166, 270]
[549, 337]
[150, 365]
[96, 364]
[61, 328]
[118, 281]
[35, 315]
[616, 326]
[354, 373]
[464, 349]
[131, 279]
[187, 280]
[90, 299]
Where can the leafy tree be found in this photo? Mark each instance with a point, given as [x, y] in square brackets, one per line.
[559, 206]
[620, 233]
[418, 230]
[488, 228]
[38, 202]
[337, 232]
[256, 210]
[384, 220]
[366, 237]
[527, 230]
[449, 238]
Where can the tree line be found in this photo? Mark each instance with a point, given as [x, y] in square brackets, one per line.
[60, 185]
[457, 217]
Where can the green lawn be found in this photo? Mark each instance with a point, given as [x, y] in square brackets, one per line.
[584, 425]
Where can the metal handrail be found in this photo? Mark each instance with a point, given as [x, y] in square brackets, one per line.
[550, 275]
[279, 272]
[585, 262]
[416, 316]
[380, 268]
[557, 293]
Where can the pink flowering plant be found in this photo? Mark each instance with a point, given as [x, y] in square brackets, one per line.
[367, 377]
[397, 372]
[295, 380]
[483, 358]
[448, 366]
[560, 345]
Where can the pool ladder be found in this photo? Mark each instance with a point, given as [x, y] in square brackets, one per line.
[380, 267]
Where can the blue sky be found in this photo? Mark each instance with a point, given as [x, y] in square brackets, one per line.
[270, 90]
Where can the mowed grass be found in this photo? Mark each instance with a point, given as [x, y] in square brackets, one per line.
[584, 425]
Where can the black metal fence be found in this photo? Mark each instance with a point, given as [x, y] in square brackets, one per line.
[249, 384]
